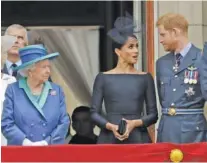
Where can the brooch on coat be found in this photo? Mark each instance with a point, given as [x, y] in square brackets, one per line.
[53, 93]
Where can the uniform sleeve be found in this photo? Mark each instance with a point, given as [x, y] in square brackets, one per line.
[151, 105]
[8, 127]
[59, 133]
[97, 99]
[203, 72]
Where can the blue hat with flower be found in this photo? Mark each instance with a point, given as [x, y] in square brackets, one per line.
[32, 54]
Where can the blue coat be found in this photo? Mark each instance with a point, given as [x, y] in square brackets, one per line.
[175, 93]
[22, 119]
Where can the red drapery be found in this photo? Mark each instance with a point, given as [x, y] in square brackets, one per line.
[107, 153]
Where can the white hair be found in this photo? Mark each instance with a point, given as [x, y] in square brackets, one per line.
[25, 71]
[17, 26]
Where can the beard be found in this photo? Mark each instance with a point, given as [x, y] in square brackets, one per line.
[170, 47]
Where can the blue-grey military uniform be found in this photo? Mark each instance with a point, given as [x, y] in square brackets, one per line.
[182, 94]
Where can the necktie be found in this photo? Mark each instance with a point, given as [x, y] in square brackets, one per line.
[14, 72]
[177, 59]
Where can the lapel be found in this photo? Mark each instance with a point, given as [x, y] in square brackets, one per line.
[170, 61]
[43, 96]
[5, 71]
[188, 59]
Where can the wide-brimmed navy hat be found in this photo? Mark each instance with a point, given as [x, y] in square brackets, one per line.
[32, 54]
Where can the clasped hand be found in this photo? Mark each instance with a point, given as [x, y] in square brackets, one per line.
[130, 126]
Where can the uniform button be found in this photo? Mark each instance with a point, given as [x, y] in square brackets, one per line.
[162, 82]
[44, 124]
[31, 135]
[32, 124]
[176, 76]
[172, 104]
[197, 128]
[174, 89]
[43, 135]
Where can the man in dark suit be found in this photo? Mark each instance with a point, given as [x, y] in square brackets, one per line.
[181, 83]
[13, 59]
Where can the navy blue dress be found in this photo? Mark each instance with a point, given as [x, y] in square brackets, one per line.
[124, 96]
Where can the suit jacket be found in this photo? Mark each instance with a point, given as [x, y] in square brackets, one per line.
[5, 70]
[23, 119]
[173, 92]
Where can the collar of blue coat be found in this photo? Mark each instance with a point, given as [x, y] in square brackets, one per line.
[43, 97]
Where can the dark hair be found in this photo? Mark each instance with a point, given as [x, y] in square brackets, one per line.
[79, 109]
[118, 45]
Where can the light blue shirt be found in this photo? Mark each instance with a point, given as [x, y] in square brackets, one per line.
[9, 66]
[184, 51]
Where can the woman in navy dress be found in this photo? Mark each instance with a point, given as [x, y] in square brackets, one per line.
[124, 91]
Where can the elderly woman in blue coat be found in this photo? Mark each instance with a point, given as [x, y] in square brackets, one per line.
[34, 110]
